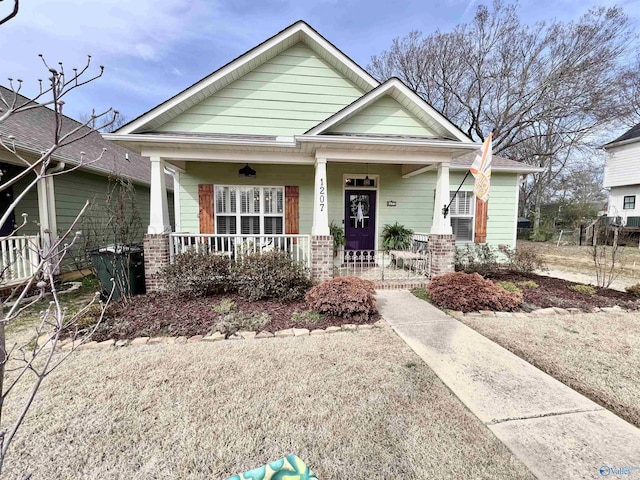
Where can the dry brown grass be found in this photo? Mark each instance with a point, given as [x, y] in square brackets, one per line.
[573, 262]
[597, 355]
[352, 405]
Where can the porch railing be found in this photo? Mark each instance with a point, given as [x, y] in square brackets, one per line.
[296, 246]
[19, 258]
[410, 264]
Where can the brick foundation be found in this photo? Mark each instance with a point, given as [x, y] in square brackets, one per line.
[156, 256]
[321, 258]
[442, 250]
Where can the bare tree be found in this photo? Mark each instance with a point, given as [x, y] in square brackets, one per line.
[90, 120]
[34, 361]
[546, 90]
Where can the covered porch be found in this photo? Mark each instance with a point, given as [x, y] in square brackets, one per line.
[255, 199]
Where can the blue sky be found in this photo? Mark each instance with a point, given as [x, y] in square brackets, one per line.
[151, 50]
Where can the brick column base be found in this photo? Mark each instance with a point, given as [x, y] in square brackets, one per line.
[442, 250]
[321, 257]
[156, 256]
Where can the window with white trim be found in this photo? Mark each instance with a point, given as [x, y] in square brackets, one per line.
[249, 210]
[461, 213]
[629, 202]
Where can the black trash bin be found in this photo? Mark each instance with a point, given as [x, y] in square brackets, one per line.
[111, 262]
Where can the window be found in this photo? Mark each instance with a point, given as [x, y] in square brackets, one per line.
[629, 202]
[249, 210]
[461, 214]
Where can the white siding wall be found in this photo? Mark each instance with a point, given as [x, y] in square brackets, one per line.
[622, 166]
[616, 201]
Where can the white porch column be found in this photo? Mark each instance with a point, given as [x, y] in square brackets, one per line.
[441, 225]
[320, 200]
[159, 205]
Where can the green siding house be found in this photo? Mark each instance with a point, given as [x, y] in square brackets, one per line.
[293, 136]
[79, 172]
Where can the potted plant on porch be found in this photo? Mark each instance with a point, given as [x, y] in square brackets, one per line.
[337, 232]
[396, 237]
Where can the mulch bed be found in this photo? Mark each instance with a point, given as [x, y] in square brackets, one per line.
[555, 292]
[156, 315]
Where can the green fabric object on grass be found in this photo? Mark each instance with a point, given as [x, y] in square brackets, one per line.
[287, 468]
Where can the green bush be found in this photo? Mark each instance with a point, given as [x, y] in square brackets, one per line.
[198, 274]
[243, 321]
[542, 235]
[468, 292]
[528, 284]
[93, 314]
[258, 276]
[586, 289]
[510, 287]
[224, 306]
[348, 297]
[477, 258]
[634, 289]
[306, 318]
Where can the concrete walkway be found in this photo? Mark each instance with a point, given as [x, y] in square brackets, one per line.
[553, 430]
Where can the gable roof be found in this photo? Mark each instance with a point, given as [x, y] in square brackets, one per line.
[630, 136]
[394, 87]
[33, 132]
[295, 33]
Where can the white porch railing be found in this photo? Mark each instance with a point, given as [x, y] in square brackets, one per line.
[19, 258]
[296, 246]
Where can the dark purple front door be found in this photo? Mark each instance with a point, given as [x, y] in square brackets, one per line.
[360, 219]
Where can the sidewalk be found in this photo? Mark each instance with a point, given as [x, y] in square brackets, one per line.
[553, 430]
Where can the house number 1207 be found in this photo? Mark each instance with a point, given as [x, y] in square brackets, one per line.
[322, 193]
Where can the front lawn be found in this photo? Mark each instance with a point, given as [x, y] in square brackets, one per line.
[597, 355]
[351, 405]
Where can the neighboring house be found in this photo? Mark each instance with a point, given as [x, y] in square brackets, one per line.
[54, 203]
[293, 135]
[622, 177]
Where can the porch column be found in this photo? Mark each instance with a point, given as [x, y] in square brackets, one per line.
[442, 243]
[321, 240]
[320, 200]
[159, 205]
[156, 241]
[441, 225]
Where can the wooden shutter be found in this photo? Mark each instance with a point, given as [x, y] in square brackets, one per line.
[207, 214]
[480, 235]
[292, 210]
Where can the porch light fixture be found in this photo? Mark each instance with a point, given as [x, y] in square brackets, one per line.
[367, 182]
[247, 172]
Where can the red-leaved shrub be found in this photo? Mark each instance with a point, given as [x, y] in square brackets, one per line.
[348, 297]
[468, 292]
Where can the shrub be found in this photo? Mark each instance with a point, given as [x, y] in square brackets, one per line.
[273, 274]
[510, 287]
[480, 258]
[243, 321]
[528, 284]
[524, 259]
[634, 289]
[92, 315]
[226, 305]
[306, 318]
[198, 274]
[348, 297]
[469, 292]
[586, 289]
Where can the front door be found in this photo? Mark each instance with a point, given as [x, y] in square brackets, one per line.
[360, 219]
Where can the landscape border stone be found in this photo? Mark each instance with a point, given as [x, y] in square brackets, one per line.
[535, 313]
[217, 336]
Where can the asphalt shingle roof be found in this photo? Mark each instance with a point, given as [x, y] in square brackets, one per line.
[633, 132]
[33, 131]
